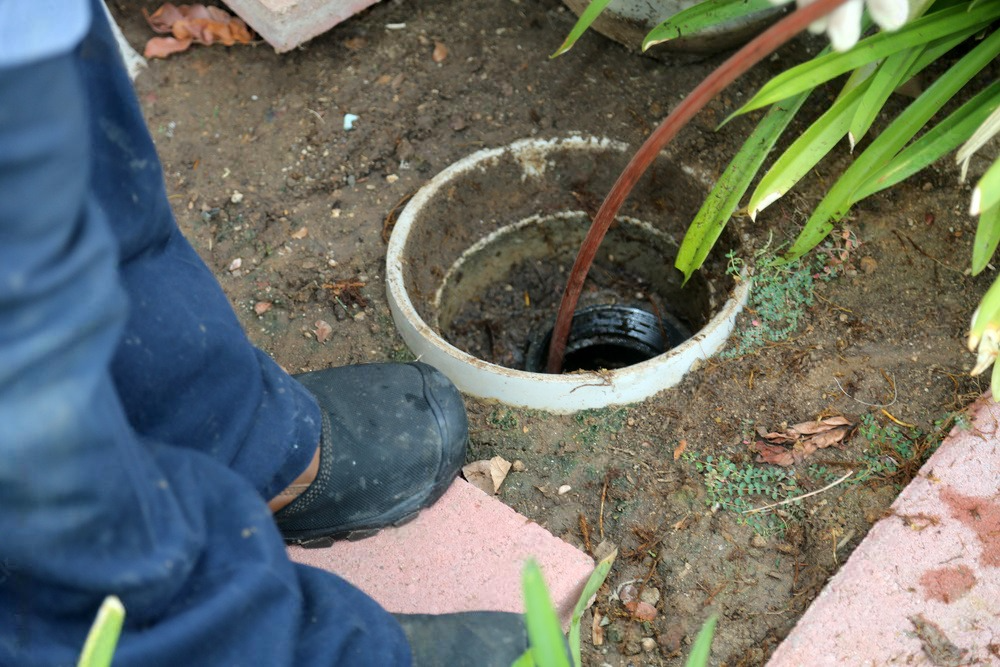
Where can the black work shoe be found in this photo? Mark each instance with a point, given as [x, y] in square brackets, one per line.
[473, 638]
[394, 438]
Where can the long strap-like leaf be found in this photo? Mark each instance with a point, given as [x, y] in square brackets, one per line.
[923, 30]
[987, 238]
[588, 16]
[935, 143]
[808, 149]
[705, 14]
[725, 196]
[838, 200]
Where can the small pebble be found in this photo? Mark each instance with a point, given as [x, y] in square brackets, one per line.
[650, 595]
[564, 489]
[235, 264]
[518, 466]
[237, 197]
[648, 644]
[645, 611]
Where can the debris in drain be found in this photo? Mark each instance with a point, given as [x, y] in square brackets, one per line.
[500, 299]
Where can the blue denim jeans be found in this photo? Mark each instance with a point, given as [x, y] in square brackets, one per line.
[140, 431]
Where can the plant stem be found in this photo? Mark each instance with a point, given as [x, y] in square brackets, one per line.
[748, 56]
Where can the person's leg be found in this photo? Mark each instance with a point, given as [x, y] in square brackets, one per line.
[88, 507]
[185, 369]
[188, 374]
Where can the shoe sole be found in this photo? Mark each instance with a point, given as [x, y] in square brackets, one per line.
[326, 541]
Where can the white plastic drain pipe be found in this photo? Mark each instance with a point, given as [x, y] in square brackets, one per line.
[554, 393]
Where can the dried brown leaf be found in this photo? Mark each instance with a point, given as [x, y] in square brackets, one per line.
[808, 428]
[161, 47]
[804, 438]
[679, 449]
[775, 454]
[323, 331]
[192, 23]
[487, 476]
[597, 631]
[776, 437]
[832, 437]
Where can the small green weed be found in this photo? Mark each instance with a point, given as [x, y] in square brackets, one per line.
[595, 424]
[503, 418]
[779, 297]
[893, 452]
[741, 488]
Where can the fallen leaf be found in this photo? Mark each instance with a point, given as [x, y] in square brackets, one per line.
[301, 233]
[804, 438]
[192, 23]
[597, 631]
[775, 454]
[487, 475]
[440, 52]
[323, 331]
[808, 428]
[679, 449]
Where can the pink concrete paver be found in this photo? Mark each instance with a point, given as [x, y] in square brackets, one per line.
[285, 24]
[464, 553]
[924, 584]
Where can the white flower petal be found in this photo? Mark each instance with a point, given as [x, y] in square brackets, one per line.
[844, 27]
[889, 14]
[989, 346]
[818, 27]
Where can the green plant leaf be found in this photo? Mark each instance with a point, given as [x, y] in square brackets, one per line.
[703, 644]
[547, 644]
[936, 142]
[808, 149]
[527, 659]
[893, 71]
[988, 311]
[817, 141]
[987, 237]
[989, 128]
[986, 194]
[721, 202]
[929, 28]
[840, 197]
[588, 16]
[595, 581]
[705, 14]
[99, 647]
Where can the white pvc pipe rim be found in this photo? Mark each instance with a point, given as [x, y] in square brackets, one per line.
[554, 393]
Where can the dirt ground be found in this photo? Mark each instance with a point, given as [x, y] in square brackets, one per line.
[290, 211]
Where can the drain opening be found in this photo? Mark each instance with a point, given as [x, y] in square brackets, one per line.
[609, 337]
